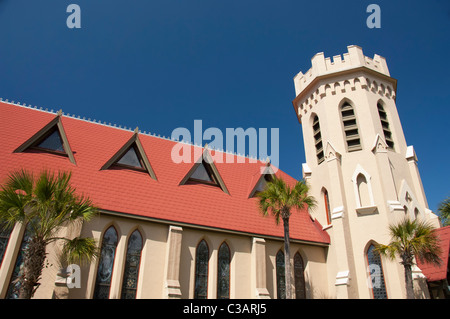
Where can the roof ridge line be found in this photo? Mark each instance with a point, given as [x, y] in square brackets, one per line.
[29, 106]
[115, 126]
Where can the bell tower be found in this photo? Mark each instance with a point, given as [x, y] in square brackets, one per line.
[359, 168]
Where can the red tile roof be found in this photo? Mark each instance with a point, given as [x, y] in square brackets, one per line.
[433, 272]
[133, 192]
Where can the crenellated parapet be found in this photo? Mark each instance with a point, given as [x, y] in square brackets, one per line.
[324, 78]
[354, 58]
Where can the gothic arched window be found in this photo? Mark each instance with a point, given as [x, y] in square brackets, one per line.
[405, 208]
[363, 191]
[281, 279]
[318, 140]
[376, 274]
[416, 213]
[364, 198]
[14, 284]
[299, 275]
[385, 125]
[201, 271]
[326, 200]
[350, 127]
[223, 272]
[105, 265]
[5, 233]
[133, 260]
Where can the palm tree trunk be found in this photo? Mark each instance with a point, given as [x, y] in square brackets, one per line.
[287, 259]
[33, 264]
[409, 281]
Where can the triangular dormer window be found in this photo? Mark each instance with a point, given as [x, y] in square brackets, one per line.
[203, 174]
[131, 156]
[51, 142]
[51, 138]
[131, 159]
[204, 171]
[261, 184]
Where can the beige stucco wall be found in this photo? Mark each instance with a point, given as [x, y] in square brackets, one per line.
[156, 260]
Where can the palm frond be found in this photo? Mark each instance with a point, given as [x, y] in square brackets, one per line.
[20, 180]
[444, 210]
[278, 198]
[412, 238]
[80, 250]
[389, 251]
[425, 244]
[83, 209]
[13, 205]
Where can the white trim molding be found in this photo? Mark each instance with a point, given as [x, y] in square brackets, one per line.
[411, 154]
[342, 278]
[306, 170]
[338, 212]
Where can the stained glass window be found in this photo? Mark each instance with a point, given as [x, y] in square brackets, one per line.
[376, 274]
[130, 158]
[52, 142]
[14, 285]
[299, 274]
[223, 273]
[281, 279]
[201, 271]
[4, 239]
[131, 273]
[105, 266]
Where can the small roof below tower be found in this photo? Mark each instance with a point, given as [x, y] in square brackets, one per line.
[433, 272]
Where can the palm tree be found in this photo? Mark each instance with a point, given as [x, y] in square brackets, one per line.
[444, 209]
[411, 239]
[45, 205]
[279, 198]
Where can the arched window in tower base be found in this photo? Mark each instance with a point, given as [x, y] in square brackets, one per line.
[375, 267]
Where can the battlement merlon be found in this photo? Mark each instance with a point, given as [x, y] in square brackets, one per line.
[353, 59]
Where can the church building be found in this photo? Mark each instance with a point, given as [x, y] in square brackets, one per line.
[193, 230]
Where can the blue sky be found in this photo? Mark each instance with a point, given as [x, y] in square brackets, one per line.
[160, 64]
